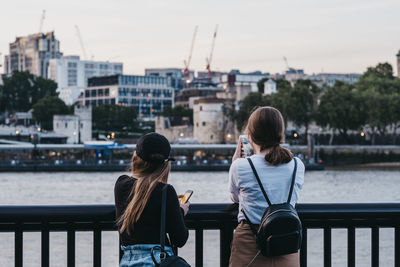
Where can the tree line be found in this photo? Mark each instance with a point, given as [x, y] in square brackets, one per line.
[372, 103]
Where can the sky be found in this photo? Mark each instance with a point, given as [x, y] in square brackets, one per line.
[316, 35]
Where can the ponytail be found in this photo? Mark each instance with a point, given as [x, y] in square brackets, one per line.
[278, 155]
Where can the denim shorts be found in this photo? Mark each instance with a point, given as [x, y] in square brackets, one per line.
[139, 255]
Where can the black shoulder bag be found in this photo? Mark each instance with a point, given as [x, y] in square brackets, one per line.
[165, 259]
[280, 230]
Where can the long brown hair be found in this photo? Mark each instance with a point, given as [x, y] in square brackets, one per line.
[148, 174]
[266, 128]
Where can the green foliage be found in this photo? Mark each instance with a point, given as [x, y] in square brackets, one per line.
[23, 90]
[341, 108]
[247, 106]
[46, 108]
[260, 85]
[114, 118]
[178, 111]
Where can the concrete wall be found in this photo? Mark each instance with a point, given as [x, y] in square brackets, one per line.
[163, 126]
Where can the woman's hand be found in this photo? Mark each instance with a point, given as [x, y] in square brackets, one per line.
[185, 207]
[239, 151]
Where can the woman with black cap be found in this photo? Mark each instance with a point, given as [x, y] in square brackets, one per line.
[138, 203]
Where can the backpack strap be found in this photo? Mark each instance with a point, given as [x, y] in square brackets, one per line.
[253, 228]
[163, 215]
[293, 179]
[259, 181]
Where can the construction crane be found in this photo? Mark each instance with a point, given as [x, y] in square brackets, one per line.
[187, 62]
[288, 68]
[209, 59]
[0, 61]
[42, 20]
[78, 32]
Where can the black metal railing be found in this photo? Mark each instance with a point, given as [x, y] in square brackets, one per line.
[222, 217]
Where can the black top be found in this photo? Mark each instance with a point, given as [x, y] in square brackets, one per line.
[147, 229]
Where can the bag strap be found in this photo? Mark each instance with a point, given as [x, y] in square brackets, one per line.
[253, 228]
[293, 179]
[259, 181]
[163, 215]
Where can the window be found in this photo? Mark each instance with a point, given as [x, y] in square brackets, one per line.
[197, 124]
[93, 94]
[81, 125]
[87, 93]
[201, 108]
[204, 123]
[211, 137]
[107, 92]
[66, 125]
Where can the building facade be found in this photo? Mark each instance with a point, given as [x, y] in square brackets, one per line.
[149, 95]
[72, 74]
[270, 87]
[175, 76]
[77, 127]
[212, 124]
[235, 78]
[32, 53]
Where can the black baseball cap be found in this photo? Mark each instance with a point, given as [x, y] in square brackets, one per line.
[153, 147]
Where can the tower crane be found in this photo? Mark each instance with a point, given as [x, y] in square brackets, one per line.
[288, 68]
[41, 20]
[209, 59]
[81, 41]
[187, 62]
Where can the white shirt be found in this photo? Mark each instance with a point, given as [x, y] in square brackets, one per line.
[276, 180]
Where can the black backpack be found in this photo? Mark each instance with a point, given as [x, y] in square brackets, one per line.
[280, 230]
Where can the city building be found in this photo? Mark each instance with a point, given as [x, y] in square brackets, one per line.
[186, 97]
[77, 127]
[175, 76]
[174, 128]
[72, 74]
[32, 53]
[149, 95]
[294, 74]
[270, 87]
[214, 76]
[234, 78]
[398, 64]
[212, 124]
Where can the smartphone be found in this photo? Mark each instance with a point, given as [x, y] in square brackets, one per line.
[246, 146]
[186, 196]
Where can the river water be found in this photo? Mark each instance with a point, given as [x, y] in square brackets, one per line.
[97, 188]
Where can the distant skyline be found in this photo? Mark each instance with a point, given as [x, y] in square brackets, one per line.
[330, 36]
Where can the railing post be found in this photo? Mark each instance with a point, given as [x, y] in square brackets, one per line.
[397, 247]
[375, 247]
[18, 244]
[303, 249]
[199, 247]
[97, 247]
[45, 246]
[71, 247]
[327, 247]
[351, 247]
[226, 236]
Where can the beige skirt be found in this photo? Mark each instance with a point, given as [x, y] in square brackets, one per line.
[244, 252]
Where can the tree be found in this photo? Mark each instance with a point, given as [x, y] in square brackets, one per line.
[280, 100]
[46, 108]
[260, 85]
[341, 108]
[178, 111]
[247, 106]
[22, 90]
[114, 118]
[301, 103]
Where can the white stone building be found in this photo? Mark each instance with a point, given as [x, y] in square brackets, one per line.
[77, 127]
[270, 87]
[212, 124]
[72, 74]
[235, 78]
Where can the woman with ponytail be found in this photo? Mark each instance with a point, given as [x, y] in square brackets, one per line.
[138, 203]
[275, 166]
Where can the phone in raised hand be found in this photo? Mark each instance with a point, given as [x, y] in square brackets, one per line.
[246, 146]
[186, 196]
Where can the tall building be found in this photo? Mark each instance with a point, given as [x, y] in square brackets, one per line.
[398, 64]
[175, 76]
[32, 53]
[235, 78]
[149, 95]
[72, 74]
